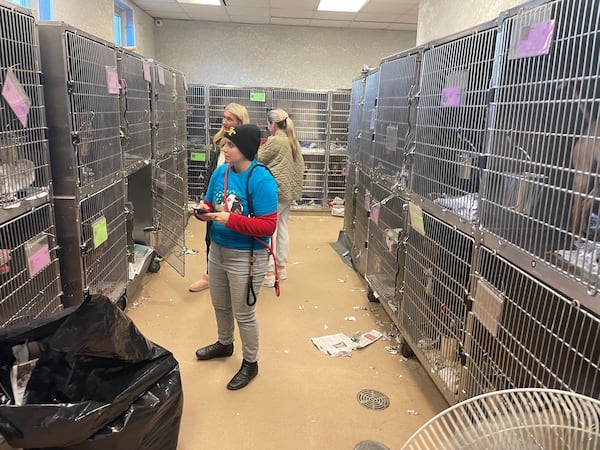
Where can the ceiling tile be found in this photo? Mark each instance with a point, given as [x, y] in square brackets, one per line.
[248, 3]
[369, 25]
[330, 23]
[292, 12]
[308, 4]
[286, 21]
[246, 11]
[248, 19]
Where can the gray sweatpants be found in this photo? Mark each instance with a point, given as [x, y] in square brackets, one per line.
[228, 283]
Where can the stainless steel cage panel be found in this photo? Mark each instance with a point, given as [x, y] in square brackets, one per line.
[337, 169]
[181, 110]
[136, 117]
[164, 110]
[24, 155]
[451, 120]
[29, 272]
[309, 111]
[81, 87]
[350, 195]
[92, 237]
[436, 283]
[368, 122]
[397, 86]
[540, 193]
[258, 101]
[169, 193]
[386, 230]
[523, 333]
[358, 254]
[338, 121]
[313, 189]
[197, 141]
[355, 118]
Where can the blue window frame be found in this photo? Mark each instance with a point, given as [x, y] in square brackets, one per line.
[124, 24]
[43, 8]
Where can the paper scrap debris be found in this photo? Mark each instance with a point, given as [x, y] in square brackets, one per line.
[341, 345]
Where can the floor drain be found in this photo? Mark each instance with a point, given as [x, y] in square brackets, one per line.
[370, 445]
[372, 399]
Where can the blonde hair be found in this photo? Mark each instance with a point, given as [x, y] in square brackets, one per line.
[241, 114]
[283, 122]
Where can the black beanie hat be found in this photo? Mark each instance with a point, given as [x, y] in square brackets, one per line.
[246, 138]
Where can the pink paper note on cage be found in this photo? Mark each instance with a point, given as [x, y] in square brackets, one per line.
[535, 39]
[374, 216]
[112, 80]
[345, 171]
[38, 260]
[451, 96]
[146, 69]
[16, 97]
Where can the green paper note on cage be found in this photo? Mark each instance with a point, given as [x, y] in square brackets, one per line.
[258, 97]
[99, 231]
[416, 218]
[197, 156]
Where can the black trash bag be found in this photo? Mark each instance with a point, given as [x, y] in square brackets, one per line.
[93, 364]
[151, 422]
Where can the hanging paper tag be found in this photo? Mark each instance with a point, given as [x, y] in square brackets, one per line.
[37, 252]
[345, 171]
[391, 138]
[535, 39]
[161, 75]
[451, 96]
[197, 156]
[99, 231]
[416, 218]
[367, 200]
[16, 97]
[374, 216]
[258, 97]
[112, 80]
[146, 69]
[373, 119]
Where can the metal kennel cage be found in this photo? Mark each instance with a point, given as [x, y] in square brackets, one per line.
[24, 155]
[81, 87]
[165, 116]
[350, 195]
[355, 118]
[135, 114]
[197, 141]
[437, 277]
[337, 170]
[339, 111]
[450, 125]
[368, 121]
[523, 333]
[540, 196]
[30, 285]
[358, 253]
[398, 78]
[514, 418]
[314, 185]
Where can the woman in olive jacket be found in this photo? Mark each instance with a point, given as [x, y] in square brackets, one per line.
[282, 155]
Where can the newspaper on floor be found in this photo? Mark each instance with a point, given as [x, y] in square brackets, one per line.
[19, 378]
[341, 345]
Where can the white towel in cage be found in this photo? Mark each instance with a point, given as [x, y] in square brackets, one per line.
[14, 177]
[464, 206]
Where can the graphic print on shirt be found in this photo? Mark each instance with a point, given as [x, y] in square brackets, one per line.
[234, 203]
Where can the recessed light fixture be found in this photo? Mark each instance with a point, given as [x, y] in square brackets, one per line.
[202, 2]
[341, 5]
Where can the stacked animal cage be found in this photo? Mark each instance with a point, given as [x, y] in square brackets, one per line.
[30, 285]
[81, 87]
[337, 138]
[197, 141]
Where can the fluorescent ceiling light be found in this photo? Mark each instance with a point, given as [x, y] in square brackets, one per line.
[341, 5]
[202, 2]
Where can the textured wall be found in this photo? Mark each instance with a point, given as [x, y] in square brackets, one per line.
[144, 33]
[439, 18]
[273, 56]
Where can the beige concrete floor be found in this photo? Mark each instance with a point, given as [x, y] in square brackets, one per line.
[302, 398]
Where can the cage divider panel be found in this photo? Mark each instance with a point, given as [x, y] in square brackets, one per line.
[170, 209]
[30, 285]
[368, 122]
[82, 103]
[350, 202]
[386, 229]
[337, 167]
[397, 80]
[164, 110]
[258, 101]
[338, 120]
[540, 195]
[135, 113]
[526, 334]
[180, 110]
[451, 120]
[437, 274]
[24, 155]
[355, 118]
[359, 251]
[197, 142]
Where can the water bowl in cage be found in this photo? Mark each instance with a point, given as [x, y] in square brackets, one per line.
[523, 191]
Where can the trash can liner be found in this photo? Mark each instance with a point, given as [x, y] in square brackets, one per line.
[78, 387]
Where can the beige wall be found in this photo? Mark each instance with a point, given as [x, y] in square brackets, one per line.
[273, 55]
[439, 18]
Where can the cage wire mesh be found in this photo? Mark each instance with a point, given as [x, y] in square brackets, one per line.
[337, 169]
[179, 89]
[515, 418]
[368, 122]
[104, 241]
[386, 229]
[433, 311]
[358, 252]
[169, 193]
[24, 155]
[355, 118]
[451, 121]
[522, 333]
[93, 89]
[350, 201]
[30, 284]
[136, 119]
[540, 193]
[164, 109]
[397, 81]
[338, 120]
[197, 144]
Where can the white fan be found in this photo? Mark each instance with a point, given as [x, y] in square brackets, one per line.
[515, 419]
